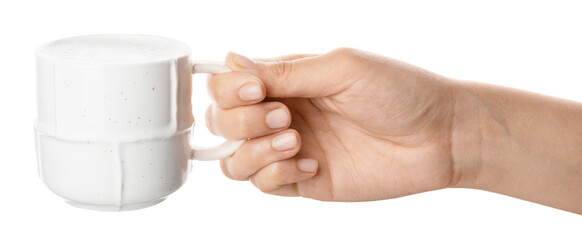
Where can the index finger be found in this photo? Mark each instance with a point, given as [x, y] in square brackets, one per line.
[233, 89]
[290, 57]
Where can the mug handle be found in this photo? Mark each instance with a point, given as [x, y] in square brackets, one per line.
[230, 146]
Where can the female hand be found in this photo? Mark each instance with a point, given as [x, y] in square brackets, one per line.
[343, 126]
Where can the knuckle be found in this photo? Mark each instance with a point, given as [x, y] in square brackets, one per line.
[244, 126]
[278, 73]
[219, 92]
[262, 187]
[221, 98]
[257, 182]
[211, 81]
[223, 167]
[257, 150]
[344, 52]
[212, 84]
[347, 56]
[282, 70]
[276, 170]
[238, 177]
[234, 170]
[274, 178]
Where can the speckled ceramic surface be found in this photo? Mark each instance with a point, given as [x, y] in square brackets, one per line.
[114, 119]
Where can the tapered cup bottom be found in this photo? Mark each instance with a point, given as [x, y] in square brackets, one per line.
[115, 208]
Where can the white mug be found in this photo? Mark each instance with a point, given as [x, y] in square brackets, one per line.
[114, 119]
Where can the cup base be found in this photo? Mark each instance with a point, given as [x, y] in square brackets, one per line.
[112, 208]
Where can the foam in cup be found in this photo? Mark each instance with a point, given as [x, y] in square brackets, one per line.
[113, 49]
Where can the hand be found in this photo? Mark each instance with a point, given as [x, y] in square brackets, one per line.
[343, 126]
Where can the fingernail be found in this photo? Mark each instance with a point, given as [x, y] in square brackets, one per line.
[243, 61]
[277, 118]
[250, 92]
[284, 142]
[307, 165]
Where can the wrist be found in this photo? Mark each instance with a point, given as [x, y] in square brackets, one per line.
[518, 144]
[479, 139]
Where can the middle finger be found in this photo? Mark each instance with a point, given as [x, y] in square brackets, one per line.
[248, 121]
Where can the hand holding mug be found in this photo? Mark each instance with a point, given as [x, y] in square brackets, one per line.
[343, 126]
[359, 126]
[113, 127]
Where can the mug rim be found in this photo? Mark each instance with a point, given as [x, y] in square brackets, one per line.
[39, 55]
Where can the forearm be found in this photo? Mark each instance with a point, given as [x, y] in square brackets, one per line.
[519, 144]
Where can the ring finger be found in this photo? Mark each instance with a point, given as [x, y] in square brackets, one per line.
[256, 153]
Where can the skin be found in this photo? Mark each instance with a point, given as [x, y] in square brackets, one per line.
[368, 127]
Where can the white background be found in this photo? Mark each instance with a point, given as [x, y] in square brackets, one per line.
[529, 45]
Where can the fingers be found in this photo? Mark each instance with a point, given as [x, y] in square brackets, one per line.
[256, 153]
[303, 75]
[270, 163]
[269, 158]
[285, 57]
[235, 89]
[248, 121]
[280, 176]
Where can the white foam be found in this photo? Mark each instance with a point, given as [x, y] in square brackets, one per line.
[113, 49]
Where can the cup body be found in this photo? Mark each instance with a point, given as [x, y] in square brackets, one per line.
[111, 135]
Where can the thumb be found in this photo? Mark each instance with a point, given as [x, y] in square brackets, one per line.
[307, 76]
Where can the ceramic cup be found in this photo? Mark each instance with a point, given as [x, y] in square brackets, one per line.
[114, 119]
